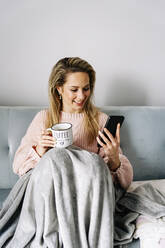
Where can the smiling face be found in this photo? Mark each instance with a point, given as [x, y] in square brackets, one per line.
[75, 92]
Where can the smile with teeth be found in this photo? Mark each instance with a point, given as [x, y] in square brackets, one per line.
[79, 103]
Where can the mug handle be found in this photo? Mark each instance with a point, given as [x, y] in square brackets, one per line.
[49, 129]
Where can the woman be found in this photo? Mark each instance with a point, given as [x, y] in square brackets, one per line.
[71, 86]
[69, 198]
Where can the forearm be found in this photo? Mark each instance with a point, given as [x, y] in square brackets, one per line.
[124, 174]
[25, 158]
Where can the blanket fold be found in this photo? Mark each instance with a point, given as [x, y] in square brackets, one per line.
[145, 199]
[10, 212]
[68, 202]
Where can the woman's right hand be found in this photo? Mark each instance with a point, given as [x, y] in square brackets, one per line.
[45, 141]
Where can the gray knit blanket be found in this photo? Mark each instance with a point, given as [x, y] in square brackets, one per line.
[68, 201]
[146, 200]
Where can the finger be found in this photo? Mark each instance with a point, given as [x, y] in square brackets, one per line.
[118, 133]
[106, 159]
[48, 143]
[105, 139]
[100, 142]
[110, 136]
[26, 168]
[48, 137]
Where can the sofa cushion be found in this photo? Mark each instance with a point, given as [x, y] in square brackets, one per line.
[13, 125]
[143, 139]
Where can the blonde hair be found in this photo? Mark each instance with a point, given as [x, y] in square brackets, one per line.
[58, 78]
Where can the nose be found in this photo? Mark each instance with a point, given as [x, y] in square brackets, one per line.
[80, 95]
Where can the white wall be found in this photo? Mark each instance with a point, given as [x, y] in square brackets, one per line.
[123, 39]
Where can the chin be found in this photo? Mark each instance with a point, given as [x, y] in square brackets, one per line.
[78, 109]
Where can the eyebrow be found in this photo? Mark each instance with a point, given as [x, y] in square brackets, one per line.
[78, 86]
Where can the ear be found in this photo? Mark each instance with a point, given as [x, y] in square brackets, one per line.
[59, 89]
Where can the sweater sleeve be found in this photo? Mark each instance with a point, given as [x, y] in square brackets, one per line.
[124, 174]
[26, 156]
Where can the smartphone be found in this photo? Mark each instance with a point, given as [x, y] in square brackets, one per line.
[111, 125]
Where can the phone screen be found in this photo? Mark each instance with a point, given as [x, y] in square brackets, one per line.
[111, 125]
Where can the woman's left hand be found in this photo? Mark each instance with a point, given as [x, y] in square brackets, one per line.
[111, 147]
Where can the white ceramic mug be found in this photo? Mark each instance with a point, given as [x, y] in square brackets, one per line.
[62, 132]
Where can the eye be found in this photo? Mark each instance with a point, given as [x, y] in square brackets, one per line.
[86, 89]
[73, 90]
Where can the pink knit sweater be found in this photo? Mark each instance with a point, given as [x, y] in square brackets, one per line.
[26, 156]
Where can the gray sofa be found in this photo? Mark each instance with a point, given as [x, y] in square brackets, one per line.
[142, 140]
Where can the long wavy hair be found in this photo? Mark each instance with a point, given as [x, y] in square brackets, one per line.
[58, 78]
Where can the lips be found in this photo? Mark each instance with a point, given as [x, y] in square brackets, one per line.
[79, 103]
